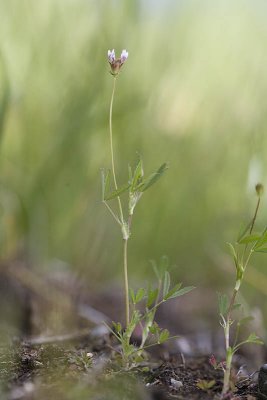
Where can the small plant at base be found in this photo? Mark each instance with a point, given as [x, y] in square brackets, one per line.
[247, 244]
[151, 333]
[205, 385]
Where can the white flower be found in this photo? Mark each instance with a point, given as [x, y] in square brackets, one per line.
[124, 56]
[111, 56]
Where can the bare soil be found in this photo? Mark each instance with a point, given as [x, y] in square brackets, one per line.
[85, 370]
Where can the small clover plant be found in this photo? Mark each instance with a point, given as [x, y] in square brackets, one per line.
[144, 304]
[134, 188]
[246, 245]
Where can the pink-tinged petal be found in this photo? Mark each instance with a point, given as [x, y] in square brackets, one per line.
[124, 55]
[111, 56]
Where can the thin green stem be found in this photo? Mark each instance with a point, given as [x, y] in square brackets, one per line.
[228, 349]
[227, 373]
[126, 285]
[122, 223]
[239, 345]
[111, 146]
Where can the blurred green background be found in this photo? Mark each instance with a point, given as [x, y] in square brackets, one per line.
[192, 93]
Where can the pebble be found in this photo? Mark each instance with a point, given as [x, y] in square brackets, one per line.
[176, 384]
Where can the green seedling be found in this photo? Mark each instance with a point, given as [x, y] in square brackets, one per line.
[148, 300]
[246, 245]
[205, 385]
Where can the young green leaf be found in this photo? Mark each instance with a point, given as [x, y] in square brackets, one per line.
[205, 385]
[117, 326]
[135, 319]
[117, 192]
[253, 338]
[262, 240]
[140, 295]
[166, 283]
[164, 336]
[137, 176]
[132, 295]
[250, 239]
[182, 291]
[171, 292]
[154, 329]
[153, 178]
[151, 297]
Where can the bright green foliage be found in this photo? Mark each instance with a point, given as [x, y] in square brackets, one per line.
[150, 300]
[135, 187]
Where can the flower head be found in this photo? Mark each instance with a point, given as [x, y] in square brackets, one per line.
[259, 189]
[116, 63]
